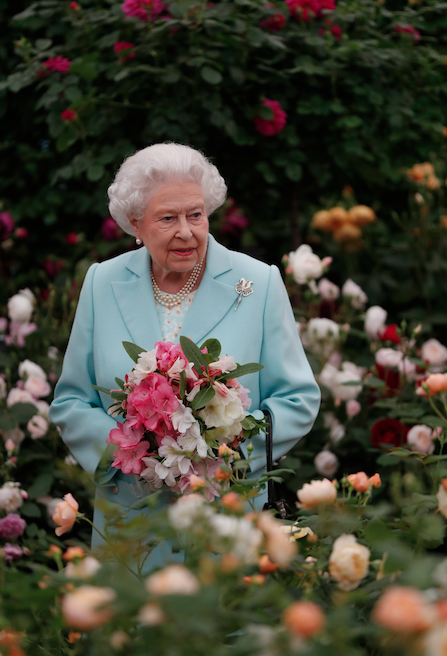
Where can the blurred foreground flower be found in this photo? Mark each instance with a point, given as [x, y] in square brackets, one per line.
[404, 610]
[304, 618]
[88, 607]
[316, 493]
[173, 580]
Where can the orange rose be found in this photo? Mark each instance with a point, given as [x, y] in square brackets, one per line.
[322, 221]
[222, 475]
[65, 514]
[347, 232]
[359, 481]
[361, 215]
[375, 480]
[304, 618]
[266, 566]
[436, 383]
[231, 501]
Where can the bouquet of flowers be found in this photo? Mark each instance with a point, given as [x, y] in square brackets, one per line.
[182, 406]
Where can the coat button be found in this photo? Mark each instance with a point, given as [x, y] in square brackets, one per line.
[114, 489]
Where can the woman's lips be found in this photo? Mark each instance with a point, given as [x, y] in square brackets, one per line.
[183, 252]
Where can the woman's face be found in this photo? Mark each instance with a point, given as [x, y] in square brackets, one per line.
[174, 228]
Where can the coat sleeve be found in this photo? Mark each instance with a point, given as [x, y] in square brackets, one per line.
[77, 407]
[288, 389]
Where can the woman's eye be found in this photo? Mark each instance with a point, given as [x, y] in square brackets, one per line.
[167, 218]
[196, 215]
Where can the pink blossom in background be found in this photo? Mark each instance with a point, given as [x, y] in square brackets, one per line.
[130, 460]
[306, 10]
[21, 233]
[12, 551]
[119, 46]
[57, 64]
[74, 6]
[3, 324]
[140, 9]
[11, 526]
[53, 268]
[409, 29]
[270, 127]
[69, 115]
[18, 332]
[274, 23]
[6, 225]
[337, 32]
[71, 238]
[353, 408]
[234, 221]
[110, 230]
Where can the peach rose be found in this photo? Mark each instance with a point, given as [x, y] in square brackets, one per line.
[435, 641]
[359, 481]
[173, 580]
[361, 215]
[315, 493]
[37, 387]
[196, 482]
[436, 383]
[404, 610]
[353, 407]
[87, 607]
[266, 566]
[232, 501]
[151, 615]
[441, 496]
[348, 562]
[420, 438]
[375, 480]
[65, 514]
[304, 618]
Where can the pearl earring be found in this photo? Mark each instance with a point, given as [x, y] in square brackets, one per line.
[138, 241]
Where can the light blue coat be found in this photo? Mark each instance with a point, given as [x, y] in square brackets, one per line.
[117, 304]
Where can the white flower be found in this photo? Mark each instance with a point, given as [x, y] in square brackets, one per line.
[85, 569]
[37, 386]
[173, 580]
[173, 455]
[17, 395]
[328, 289]
[237, 536]
[53, 353]
[223, 412]
[225, 364]
[356, 294]
[43, 408]
[388, 357]
[150, 475]
[2, 388]
[334, 380]
[151, 615]
[305, 264]
[70, 460]
[321, 335]
[21, 305]
[37, 427]
[146, 364]
[28, 368]
[420, 437]
[326, 463]
[315, 493]
[189, 512]
[182, 418]
[441, 496]
[10, 497]
[434, 352]
[167, 474]
[408, 369]
[193, 440]
[435, 641]
[336, 429]
[348, 562]
[375, 321]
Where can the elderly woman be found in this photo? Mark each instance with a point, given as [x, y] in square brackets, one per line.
[180, 282]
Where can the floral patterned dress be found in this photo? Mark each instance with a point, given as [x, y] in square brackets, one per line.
[171, 319]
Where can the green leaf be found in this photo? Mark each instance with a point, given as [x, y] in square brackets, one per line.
[7, 422]
[210, 75]
[119, 382]
[294, 172]
[73, 93]
[243, 370]
[95, 172]
[202, 398]
[182, 384]
[41, 486]
[193, 354]
[118, 396]
[213, 346]
[43, 44]
[22, 412]
[30, 510]
[86, 70]
[133, 350]
[98, 388]
[65, 140]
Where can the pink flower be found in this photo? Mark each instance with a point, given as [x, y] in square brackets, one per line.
[11, 526]
[69, 115]
[21, 233]
[37, 427]
[151, 403]
[110, 230]
[409, 29]
[71, 238]
[37, 387]
[129, 459]
[140, 9]
[125, 436]
[272, 126]
[18, 332]
[6, 225]
[123, 45]
[12, 551]
[306, 10]
[65, 514]
[74, 6]
[336, 31]
[353, 408]
[57, 64]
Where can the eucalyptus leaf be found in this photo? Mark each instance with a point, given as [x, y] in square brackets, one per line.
[133, 350]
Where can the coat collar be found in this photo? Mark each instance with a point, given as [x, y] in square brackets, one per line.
[214, 299]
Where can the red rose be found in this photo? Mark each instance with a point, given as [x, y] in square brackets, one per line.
[336, 31]
[72, 238]
[271, 126]
[390, 334]
[274, 23]
[390, 376]
[69, 115]
[388, 431]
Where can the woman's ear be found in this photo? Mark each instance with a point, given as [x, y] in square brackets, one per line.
[134, 225]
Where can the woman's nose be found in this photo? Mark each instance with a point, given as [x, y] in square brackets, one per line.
[183, 229]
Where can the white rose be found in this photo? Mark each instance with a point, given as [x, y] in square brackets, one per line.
[328, 289]
[420, 437]
[223, 412]
[315, 493]
[237, 536]
[43, 408]
[321, 328]
[375, 321]
[348, 562]
[349, 374]
[10, 497]
[388, 357]
[189, 511]
[53, 353]
[28, 368]
[146, 364]
[151, 615]
[20, 306]
[441, 496]
[336, 429]
[37, 387]
[88, 607]
[17, 395]
[327, 375]
[356, 294]
[326, 463]
[85, 569]
[37, 426]
[305, 264]
[2, 388]
[173, 580]
[434, 352]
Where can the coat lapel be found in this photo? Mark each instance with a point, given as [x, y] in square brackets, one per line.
[214, 299]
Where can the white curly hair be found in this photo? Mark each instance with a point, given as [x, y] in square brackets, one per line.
[141, 174]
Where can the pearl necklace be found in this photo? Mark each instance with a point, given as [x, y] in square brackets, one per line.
[171, 300]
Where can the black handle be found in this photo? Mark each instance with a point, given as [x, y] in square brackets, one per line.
[269, 454]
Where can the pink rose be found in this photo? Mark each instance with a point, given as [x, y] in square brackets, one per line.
[421, 439]
[271, 126]
[17, 395]
[328, 290]
[57, 64]
[353, 408]
[37, 427]
[37, 386]
[434, 353]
